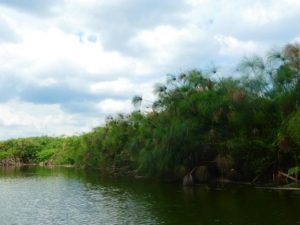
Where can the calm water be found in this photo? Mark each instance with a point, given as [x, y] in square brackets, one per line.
[68, 196]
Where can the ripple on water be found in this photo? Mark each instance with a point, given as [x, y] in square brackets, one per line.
[58, 200]
[42, 196]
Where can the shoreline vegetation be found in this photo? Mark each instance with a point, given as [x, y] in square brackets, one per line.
[202, 127]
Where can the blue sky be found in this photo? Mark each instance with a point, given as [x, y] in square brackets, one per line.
[67, 64]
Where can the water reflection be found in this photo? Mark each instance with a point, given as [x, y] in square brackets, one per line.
[65, 196]
[69, 196]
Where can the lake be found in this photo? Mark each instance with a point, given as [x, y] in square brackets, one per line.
[44, 196]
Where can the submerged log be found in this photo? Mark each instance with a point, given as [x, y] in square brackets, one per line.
[188, 179]
[279, 188]
[255, 179]
[288, 176]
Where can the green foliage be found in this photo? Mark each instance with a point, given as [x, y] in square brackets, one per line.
[45, 154]
[294, 127]
[39, 149]
[294, 170]
[5, 155]
[249, 124]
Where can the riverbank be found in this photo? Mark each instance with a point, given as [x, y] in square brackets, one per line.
[218, 183]
[198, 175]
[10, 162]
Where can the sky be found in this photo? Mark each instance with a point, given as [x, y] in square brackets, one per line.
[68, 64]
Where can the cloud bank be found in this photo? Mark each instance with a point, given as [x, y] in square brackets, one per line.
[66, 64]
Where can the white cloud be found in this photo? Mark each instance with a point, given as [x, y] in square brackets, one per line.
[165, 42]
[41, 48]
[260, 14]
[112, 106]
[121, 85]
[39, 119]
[125, 87]
[296, 40]
[47, 82]
[268, 12]
[232, 46]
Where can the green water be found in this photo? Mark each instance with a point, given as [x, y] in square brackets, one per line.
[69, 196]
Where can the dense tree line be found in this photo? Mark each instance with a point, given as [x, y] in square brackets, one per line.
[241, 127]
